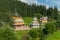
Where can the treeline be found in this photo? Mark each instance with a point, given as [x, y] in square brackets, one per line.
[8, 7]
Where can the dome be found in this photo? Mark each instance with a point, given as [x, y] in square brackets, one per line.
[35, 18]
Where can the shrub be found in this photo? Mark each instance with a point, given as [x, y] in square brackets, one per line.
[6, 33]
[50, 27]
[26, 37]
[36, 34]
[33, 33]
[40, 34]
[38, 15]
[58, 24]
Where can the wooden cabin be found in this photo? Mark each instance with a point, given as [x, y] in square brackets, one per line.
[19, 24]
[35, 23]
[44, 19]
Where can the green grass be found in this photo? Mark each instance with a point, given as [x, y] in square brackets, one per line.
[54, 36]
[28, 20]
[21, 33]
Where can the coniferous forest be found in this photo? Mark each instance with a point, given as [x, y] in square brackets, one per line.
[26, 10]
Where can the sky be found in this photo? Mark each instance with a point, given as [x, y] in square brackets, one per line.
[47, 3]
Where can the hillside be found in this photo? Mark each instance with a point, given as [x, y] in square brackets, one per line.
[24, 9]
[54, 36]
[8, 8]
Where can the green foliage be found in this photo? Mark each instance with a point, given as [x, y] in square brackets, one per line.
[6, 33]
[52, 13]
[56, 15]
[21, 34]
[58, 24]
[26, 37]
[28, 20]
[1, 23]
[37, 34]
[26, 10]
[50, 27]
[41, 34]
[33, 33]
[4, 17]
[38, 15]
[54, 36]
[7, 5]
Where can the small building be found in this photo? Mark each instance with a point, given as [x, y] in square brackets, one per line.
[44, 19]
[19, 23]
[35, 23]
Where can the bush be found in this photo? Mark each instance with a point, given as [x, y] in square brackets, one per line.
[38, 15]
[54, 36]
[58, 24]
[6, 33]
[50, 27]
[26, 37]
[41, 34]
[37, 34]
[33, 33]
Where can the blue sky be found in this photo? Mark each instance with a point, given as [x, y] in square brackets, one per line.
[48, 3]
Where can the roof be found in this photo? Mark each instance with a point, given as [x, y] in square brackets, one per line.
[35, 18]
[19, 20]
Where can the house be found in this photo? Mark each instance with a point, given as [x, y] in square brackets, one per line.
[44, 19]
[35, 23]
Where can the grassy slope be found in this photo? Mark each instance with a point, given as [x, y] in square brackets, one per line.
[20, 33]
[54, 36]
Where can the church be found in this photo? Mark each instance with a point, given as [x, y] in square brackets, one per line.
[19, 23]
[35, 23]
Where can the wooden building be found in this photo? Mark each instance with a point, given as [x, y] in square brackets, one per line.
[35, 23]
[44, 19]
[19, 23]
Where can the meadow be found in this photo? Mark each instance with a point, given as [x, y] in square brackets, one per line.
[54, 36]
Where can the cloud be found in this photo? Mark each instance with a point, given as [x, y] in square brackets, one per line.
[47, 6]
[29, 1]
[59, 9]
[47, 3]
[32, 2]
[57, 2]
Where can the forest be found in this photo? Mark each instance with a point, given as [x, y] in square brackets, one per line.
[8, 8]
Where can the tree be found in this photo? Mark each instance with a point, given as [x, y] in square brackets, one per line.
[6, 33]
[41, 34]
[50, 27]
[26, 37]
[43, 10]
[38, 15]
[50, 12]
[58, 24]
[56, 15]
[6, 17]
[26, 10]
[33, 33]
